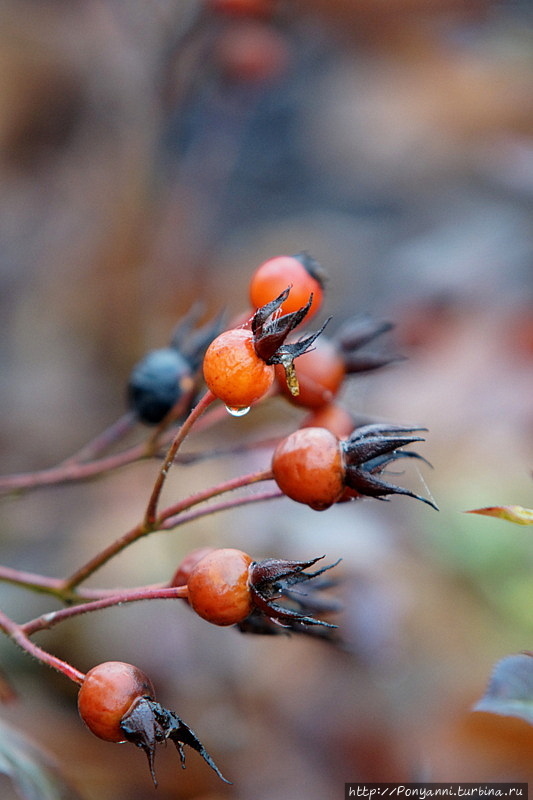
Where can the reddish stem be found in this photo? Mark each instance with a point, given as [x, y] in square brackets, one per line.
[181, 519]
[47, 621]
[151, 510]
[111, 435]
[212, 491]
[70, 471]
[31, 580]
[20, 637]
[75, 469]
[173, 511]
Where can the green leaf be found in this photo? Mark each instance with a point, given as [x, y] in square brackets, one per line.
[516, 514]
[510, 689]
[31, 770]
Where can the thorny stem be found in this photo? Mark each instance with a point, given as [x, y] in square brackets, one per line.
[20, 633]
[19, 636]
[171, 512]
[150, 516]
[53, 586]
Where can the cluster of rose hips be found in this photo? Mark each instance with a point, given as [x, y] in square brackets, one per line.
[226, 587]
[327, 460]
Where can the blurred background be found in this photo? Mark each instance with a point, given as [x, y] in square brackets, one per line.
[152, 155]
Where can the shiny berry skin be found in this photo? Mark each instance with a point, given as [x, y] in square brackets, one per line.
[234, 372]
[157, 382]
[300, 272]
[308, 467]
[106, 695]
[320, 373]
[218, 587]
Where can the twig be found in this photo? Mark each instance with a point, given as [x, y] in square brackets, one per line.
[20, 637]
[47, 621]
[140, 530]
[151, 509]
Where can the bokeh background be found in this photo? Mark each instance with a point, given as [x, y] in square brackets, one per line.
[153, 154]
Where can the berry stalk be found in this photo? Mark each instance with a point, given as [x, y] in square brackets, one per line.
[203, 404]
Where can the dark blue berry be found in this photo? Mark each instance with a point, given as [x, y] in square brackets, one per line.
[157, 382]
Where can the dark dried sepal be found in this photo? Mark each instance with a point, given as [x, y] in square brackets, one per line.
[287, 353]
[376, 439]
[288, 617]
[312, 267]
[377, 464]
[366, 483]
[180, 733]
[274, 579]
[140, 727]
[264, 312]
[193, 341]
[147, 723]
[366, 362]
[356, 334]
[269, 331]
[271, 575]
[294, 349]
[369, 450]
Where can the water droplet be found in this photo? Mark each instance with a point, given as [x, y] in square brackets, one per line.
[237, 411]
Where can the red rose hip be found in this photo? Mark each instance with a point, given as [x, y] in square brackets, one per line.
[308, 467]
[218, 587]
[107, 694]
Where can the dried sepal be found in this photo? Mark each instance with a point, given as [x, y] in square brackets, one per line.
[312, 267]
[360, 331]
[270, 330]
[140, 727]
[354, 335]
[376, 439]
[287, 353]
[192, 341]
[274, 580]
[147, 723]
[369, 450]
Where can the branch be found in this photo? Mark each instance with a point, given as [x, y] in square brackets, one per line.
[20, 637]
[151, 510]
[47, 621]
[161, 523]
